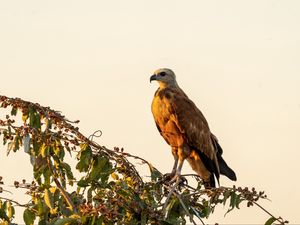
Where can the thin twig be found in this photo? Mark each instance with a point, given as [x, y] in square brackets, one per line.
[17, 203]
[262, 208]
[7, 191]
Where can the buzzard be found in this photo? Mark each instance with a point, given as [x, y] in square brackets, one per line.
[185, 129]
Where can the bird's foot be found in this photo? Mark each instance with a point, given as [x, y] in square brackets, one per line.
[166, 178]
[171, 178]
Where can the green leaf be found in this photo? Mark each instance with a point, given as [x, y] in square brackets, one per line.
[238, 201]
[31, 117]
[83, 183]
[34, 119]
[173, 211]
[18, 141]
[206, 210]
[47, 175]
[14, 111]
[36, 147]
[5, 139]
[270, 221]
[64, 208]
[38, 121]
[68, 170]
[99, 167]
[233, 200]
[90, 194]
[28, 217]
[85, 158]
[40, 207]
[39, 167]
[226, 196]
[155, 174]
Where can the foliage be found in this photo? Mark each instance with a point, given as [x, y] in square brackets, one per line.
[110, 189]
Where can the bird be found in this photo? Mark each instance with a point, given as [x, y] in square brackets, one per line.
[186, 130]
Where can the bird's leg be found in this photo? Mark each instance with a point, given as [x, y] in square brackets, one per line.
[169, 176]
[181, 156]
[174, 170]
[175, 155]
[178, 171]
[177, 175]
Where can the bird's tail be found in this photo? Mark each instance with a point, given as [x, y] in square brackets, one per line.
[223, 167]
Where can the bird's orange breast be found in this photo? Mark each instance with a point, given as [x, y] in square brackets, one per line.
[164, 117]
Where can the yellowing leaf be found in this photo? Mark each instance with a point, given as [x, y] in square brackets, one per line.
[45, 150]
[9, 209]
[115, 176]
[25, 117]
[48, 197]
[52, 189]
[75, 216]
[54, 211]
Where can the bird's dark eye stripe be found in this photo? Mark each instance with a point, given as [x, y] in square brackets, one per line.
[162, 74]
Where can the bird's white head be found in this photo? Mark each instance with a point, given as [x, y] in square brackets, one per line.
[165, 77]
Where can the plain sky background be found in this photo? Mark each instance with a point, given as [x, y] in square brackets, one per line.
[239, 61]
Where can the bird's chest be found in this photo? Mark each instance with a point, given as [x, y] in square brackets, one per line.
[164, 117]
[160, 109]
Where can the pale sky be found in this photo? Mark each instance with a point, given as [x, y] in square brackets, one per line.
[239, 61]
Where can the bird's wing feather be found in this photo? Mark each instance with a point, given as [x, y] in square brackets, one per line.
[191, 123]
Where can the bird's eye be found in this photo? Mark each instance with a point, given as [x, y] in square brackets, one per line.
[162, 74]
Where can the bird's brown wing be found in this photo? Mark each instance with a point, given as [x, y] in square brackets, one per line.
[191, 123]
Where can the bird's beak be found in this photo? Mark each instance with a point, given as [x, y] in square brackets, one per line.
[153, 77]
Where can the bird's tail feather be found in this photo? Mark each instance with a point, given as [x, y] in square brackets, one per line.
[225, 169]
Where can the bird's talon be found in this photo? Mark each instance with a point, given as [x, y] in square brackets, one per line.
[166, 178]
[178, 179]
